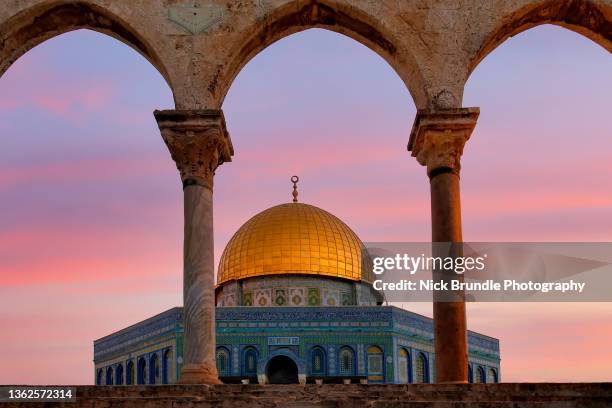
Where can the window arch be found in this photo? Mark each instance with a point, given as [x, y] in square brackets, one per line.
[318, 362]
[129, 375]
[404, 366]
[99, 377]
[376, 364]
[421, 369]
[119, 375]
[153, 369]
[142, 370]
[492, 375]
[346, 358]
[480, 375]
[470, 374]
[109, 376]
[249, 364]
[166, 365]
[223, 361]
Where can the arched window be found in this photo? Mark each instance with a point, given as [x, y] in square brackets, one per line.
[154, 369]
[142, 371]
[129, 373]
[405, 374]
[375, 364]
[480, 375]
[109, 376]
[492, 376]
[223, 361]
[167, 366]
[317, 363]
[470, 374]
[250, 362]
[422, 369]
[119, 375]
[99, 377]
[346, 358]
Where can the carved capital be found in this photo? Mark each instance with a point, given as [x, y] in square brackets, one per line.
[438, 137]
[198, 142]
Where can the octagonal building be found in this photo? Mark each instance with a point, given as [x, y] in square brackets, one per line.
[295, 303]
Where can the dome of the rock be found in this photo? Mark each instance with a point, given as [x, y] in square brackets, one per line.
[293, 239]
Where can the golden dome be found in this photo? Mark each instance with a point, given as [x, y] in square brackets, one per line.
[293, 238]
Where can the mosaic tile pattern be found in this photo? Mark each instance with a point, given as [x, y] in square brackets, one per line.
[297, 296]
[331, 297]
[263, 297]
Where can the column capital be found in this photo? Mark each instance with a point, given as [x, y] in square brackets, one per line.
[198, 142]
[438, 137]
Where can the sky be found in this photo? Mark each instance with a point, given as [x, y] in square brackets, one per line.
[91, 203]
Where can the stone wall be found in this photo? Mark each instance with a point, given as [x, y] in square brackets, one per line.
[341, 396]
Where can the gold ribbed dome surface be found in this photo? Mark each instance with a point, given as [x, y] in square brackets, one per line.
[293, 238]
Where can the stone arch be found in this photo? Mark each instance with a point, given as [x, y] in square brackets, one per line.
[589, 18]
[32, 26]
[301, 15]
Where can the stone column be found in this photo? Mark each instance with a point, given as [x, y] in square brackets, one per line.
[198, 142]
[437, 140]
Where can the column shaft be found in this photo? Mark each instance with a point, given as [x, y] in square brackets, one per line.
[198, 287]
[198, 142]
[437, 141]
[450, 325]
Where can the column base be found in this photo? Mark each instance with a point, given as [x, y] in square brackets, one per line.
[199, 374]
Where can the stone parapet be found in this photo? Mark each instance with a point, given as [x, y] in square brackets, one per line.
[514, 395]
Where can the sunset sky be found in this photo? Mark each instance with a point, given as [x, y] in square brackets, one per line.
[91, 203]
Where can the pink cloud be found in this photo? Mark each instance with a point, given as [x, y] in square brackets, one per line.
[112, 168]
[26, 85]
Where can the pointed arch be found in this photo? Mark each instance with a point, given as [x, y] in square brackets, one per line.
[129, 376]
[318, 361]
[589, 18]
[301, 15]
[346, 361]
[154, 369]
[421, 369]
[250, 358]
[32, 26]
[142, 371]
[109, 376]
[119, 374]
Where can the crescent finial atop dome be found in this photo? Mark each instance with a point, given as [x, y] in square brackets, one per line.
[295, 180]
